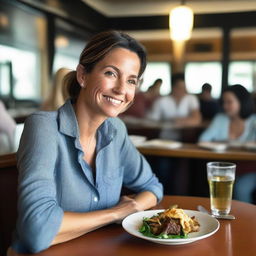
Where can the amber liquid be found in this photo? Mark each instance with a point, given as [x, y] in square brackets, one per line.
[221, 188]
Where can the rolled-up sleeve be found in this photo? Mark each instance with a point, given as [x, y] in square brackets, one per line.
[138, 175]
[40, 216]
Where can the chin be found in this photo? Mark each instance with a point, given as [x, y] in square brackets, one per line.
[112, 113]
[115, 112]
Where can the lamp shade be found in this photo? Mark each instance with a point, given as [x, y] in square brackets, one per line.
[181, 21]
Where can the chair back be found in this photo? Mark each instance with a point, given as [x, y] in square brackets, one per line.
[8, 200]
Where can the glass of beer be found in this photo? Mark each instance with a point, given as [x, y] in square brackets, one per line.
[221, 177]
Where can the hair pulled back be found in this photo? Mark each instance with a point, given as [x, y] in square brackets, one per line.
[97, 48]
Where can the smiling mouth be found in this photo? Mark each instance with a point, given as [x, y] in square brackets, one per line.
[112, 100]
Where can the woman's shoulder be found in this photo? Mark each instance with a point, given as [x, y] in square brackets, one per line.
[252, 118]
[220, 116]
[42, 119]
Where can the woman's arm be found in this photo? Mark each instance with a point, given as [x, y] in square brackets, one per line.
[76, 224]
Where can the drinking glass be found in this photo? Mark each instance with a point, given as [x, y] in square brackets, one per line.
[221, 177]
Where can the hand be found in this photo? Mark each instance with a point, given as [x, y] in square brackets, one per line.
[126, 206]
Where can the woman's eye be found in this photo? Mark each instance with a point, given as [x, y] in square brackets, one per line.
[134, 82]
[110, 73]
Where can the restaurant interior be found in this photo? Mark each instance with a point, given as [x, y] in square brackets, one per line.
[217, 50]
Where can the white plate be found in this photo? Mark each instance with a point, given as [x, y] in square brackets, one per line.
[158, 143]
[137, 140]
[215, 146]
[208, 226]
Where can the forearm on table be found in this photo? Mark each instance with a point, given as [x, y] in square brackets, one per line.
[76, 224]
[146, 200]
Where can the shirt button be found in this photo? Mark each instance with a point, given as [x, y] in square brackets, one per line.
[95, 199]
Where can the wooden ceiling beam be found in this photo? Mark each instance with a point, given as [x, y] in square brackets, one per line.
[239, 19]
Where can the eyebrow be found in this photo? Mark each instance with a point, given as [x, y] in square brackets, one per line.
[118, 70]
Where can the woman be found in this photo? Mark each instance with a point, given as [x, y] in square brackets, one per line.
[236, 124]
[73, 162]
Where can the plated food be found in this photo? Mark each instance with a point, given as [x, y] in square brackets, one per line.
[208, 226]
[171, 223]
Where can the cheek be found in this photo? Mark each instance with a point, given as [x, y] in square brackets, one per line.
[99, 86]
[130, 95]
[236, 106]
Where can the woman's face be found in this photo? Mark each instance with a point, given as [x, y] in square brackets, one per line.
[231, 104]
[110, 86]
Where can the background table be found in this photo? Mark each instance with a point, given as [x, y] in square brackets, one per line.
[234, 238]
[190, 150]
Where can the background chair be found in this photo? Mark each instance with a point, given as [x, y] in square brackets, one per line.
[8, 200]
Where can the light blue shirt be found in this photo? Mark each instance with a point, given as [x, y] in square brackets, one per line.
[218, 130]
[53, 177]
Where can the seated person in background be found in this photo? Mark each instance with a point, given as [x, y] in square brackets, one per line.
[209, 107]
[7, 130]
[237, 123]
[58, 94]
[153, 93]
[74, 161]
[178, 107]
[144, 100]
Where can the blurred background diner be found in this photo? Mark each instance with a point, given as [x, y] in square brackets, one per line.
[143, 101]
[209, 106]
[186, 91]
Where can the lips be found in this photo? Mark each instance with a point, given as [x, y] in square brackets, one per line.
[112, 100]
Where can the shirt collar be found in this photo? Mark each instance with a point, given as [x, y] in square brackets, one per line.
[106, 133]
[67, 120]
[68, 125]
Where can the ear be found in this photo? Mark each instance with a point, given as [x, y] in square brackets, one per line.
[80, 74]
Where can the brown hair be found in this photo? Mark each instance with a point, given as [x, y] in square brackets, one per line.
[97, 48]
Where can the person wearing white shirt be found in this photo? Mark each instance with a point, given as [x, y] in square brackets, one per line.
[178, 107]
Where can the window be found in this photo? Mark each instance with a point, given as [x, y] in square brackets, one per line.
[25, 75]
[5, 78]
[242, 72]
[69, 43]
[155, 70]
[21, 45]
[198, 73]
[67, 53]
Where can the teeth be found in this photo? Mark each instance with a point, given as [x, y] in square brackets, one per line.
[113, 100]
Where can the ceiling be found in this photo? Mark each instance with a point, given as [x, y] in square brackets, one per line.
[128, 8]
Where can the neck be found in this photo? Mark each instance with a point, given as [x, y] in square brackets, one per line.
[177, 97]
[88, 122]
[236, 118]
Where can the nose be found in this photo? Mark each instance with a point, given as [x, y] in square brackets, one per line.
[120, 87]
